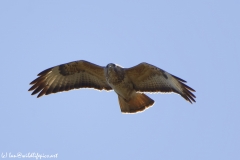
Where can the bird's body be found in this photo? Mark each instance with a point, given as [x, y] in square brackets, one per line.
[129, 100]
[128, 83]
[117, 81]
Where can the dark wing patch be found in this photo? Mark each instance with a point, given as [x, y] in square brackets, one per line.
[148, 78]
[65, 77]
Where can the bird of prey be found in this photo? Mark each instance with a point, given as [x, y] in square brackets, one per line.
[128, 83]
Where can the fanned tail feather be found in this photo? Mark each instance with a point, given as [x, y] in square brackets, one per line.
[137, 103]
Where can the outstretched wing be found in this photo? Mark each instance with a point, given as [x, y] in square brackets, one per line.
[73, 75]
[149, 78]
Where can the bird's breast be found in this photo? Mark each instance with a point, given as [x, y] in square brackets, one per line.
[114, 77]
[124, 88]
[119, 82]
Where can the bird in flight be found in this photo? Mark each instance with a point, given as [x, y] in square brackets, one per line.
[129, 83]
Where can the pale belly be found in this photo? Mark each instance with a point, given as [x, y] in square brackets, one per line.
[124, 89]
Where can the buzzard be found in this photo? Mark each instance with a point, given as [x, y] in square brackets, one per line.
[128, 83]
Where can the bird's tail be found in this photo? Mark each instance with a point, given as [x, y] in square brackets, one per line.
[137, 103]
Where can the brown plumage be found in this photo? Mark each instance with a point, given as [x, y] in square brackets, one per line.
[128, 83]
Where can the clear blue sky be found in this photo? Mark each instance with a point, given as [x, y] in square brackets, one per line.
[198, 41]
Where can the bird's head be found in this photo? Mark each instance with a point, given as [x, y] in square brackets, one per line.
[114, 73]
[111, 67]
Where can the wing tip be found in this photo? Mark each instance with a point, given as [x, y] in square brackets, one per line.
[46, 71]
[180, 79]
[189, 96]
[39, 95]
